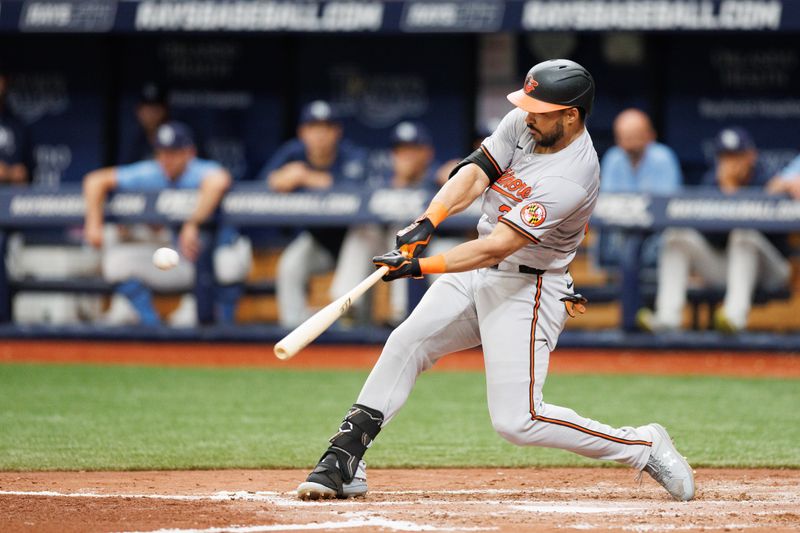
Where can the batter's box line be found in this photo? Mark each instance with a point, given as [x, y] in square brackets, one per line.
[359, 520]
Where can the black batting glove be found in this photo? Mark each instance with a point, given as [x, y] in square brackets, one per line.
[399, 265]
[415, 237]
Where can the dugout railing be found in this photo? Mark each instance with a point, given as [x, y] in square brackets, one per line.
[253, 206]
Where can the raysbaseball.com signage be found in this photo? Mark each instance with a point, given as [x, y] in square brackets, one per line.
[397, 16]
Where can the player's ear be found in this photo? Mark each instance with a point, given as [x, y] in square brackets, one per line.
[572, 115]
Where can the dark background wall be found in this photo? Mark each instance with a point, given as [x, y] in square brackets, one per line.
[241, 94]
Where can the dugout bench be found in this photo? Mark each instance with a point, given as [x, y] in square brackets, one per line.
[253, 206]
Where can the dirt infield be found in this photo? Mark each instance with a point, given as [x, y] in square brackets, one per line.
[363, 357]
[599, 499]
[400, 500]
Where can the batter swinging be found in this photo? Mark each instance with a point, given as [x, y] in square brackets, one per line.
[509, 290]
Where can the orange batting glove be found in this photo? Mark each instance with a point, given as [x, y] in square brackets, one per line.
[574, 303]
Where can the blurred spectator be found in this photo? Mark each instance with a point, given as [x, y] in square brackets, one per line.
[15, 155]
[318, 159]
[636, 164]
[787, 181]
[737, 164]
[152, 110]
[129, 264]
[740, 260]
[413, 168]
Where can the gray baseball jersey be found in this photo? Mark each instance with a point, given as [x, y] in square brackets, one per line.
[548, 198]
[516, 317]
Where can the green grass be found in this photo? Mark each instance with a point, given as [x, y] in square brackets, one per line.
[88, 417]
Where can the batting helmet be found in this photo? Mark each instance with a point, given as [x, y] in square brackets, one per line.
[553, 85]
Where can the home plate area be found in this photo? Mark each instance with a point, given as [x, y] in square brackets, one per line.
[399, 500]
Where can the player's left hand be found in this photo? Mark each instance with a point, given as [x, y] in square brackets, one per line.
[574, 303]
[413, 239]
[189, 241]
[400, 266]
[793, 187]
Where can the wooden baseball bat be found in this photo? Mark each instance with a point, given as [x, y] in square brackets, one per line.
[312, 328]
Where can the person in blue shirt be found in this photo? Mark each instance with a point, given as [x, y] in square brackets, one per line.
[413, 169]
[787, 181]
[636, 164]
[318, 159]
[129, 265]
[739, 260]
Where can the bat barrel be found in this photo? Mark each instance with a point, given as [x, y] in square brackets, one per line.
[312, 328]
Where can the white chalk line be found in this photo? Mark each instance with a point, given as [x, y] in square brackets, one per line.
[284, 499]
[572, 508]
[279, 500]
[369, 521]
[647, 528]
[287, 499]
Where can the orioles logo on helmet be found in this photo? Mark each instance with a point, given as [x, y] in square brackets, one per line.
[530, 84]
[533, 214]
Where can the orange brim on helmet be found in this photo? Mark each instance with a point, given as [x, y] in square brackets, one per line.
[532, 105]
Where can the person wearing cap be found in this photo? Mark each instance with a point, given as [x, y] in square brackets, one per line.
[637, 163]
[413, 165]
[15, 149]
[152, 110]
[736, 162]
[739, 261]
[129, 264]
[318, 159]
[508, 291]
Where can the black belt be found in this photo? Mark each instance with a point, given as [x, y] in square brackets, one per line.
[523, 269]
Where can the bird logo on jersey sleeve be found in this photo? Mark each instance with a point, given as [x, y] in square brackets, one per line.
[533, 214]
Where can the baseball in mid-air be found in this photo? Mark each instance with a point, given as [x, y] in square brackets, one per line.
[165, 258]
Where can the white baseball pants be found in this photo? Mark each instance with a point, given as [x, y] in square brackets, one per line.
[517, 318]
[361, 244]
[301, 259]
[749, 261]
[124, 261]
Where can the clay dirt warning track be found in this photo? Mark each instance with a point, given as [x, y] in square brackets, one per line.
[400, 500]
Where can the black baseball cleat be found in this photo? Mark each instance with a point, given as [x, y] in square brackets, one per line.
[326, 482]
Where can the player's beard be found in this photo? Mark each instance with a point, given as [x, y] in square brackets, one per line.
[553, 137]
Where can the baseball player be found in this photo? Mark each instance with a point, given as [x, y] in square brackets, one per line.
[509, 291]
[413, 168]
[130, 264]
[787, 181]
[318, 159]
[740, 260]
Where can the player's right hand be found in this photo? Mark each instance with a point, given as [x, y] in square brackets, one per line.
[413, 239]
[93, 234]
[400, 265]
[189, 241]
